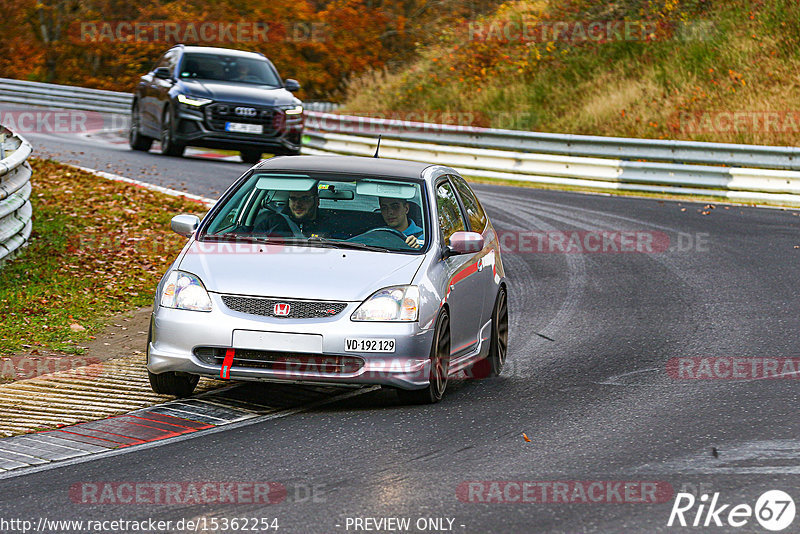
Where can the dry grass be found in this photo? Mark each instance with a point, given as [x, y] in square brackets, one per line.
[631, 89]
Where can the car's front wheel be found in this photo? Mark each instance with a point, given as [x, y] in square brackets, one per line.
[136, 140]
[169, 146]
[440, 365]
[172, 383]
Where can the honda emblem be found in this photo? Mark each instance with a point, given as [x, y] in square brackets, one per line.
[281, 309]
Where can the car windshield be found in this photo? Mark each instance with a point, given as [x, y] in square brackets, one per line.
[228, 68]
[371, 213]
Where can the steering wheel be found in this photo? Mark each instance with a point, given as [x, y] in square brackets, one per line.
[390, 231]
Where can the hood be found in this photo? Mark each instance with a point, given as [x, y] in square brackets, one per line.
[244, 93]
[297, 272]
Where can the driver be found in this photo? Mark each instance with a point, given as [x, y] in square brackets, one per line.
[395, 215]
[303, 212]
[242, 73]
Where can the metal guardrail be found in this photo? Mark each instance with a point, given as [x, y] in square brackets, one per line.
[64, 96]
[680, 152]
[748, 173]
[550, 158]
[15, 193]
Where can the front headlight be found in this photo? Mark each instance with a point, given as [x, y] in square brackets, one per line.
[398, 303]
[185, 291]
[296, 110]
[193, 100]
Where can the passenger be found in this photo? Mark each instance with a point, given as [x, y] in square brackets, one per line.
[302, 215]
[395, 215]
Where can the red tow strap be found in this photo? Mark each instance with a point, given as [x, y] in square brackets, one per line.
[225, 372]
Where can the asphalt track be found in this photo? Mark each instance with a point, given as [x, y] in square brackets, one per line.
[588, 383]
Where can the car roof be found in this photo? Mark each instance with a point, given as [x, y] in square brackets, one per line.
[347, 164]
[224, 51]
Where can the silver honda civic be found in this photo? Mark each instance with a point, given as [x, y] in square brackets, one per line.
[334, 270]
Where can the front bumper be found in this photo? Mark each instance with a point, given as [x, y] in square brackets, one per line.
[193, 127]
[178, 334]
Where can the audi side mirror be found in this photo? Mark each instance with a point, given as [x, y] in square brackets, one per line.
[291, 85]
[163, 73]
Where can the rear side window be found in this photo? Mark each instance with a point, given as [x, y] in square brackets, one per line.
[475, 213]
[450, 220]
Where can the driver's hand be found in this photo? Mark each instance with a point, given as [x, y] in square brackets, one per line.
[412, 242]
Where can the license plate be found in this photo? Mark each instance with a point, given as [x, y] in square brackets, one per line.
[244, 128]
[361, 344]
[279, 341]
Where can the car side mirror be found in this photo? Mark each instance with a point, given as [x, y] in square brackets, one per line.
[163, 73]
[464, 243]
[291, 85]
[184, 225]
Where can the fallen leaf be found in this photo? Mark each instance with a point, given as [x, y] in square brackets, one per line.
[525, 437]
[75, 327]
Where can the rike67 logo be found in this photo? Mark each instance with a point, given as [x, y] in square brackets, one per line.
[774, 510]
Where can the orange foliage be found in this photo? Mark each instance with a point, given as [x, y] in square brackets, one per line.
[321, 43]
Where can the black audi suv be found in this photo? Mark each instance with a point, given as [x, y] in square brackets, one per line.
[216, 98]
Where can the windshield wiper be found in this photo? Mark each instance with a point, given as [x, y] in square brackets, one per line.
[233, 238]
[346, 244]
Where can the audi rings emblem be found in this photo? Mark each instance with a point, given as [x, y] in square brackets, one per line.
[245, 112]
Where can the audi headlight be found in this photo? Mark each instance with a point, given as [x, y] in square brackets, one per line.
[185, 291]
[398, 303]
[296, 110]
[193, 100]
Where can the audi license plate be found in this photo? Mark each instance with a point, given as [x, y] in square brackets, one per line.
[362, 344]
[244, 128]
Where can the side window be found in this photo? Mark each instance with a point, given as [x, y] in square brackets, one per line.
[450, 219]
[171, 59]
[475, 213]
[162, 61]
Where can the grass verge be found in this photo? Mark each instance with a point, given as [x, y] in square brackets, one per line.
[709, 71]
[98, 249]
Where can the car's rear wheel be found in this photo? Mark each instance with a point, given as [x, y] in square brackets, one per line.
[250, 156]
[136, 140]
[493, 364]
[440, 365]
[169, 146]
